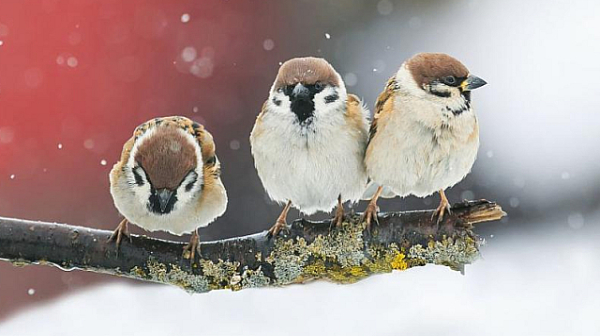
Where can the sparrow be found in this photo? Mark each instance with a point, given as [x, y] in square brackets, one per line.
[424, 135]
[309, 141]
[168, 179]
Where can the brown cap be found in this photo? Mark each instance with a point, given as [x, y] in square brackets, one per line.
[306, 70]
[426, 67]
[166, 157]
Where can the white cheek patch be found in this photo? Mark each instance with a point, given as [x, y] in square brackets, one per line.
[322, 107]
[141, 193]
[454, 102]
[279, 102]
[183, 195]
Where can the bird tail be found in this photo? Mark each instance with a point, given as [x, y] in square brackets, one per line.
[372, 188]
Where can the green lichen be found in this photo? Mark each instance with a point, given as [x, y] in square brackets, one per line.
[450, 251]
[254, 279]
[222, 274]
[345, 245]
[23, 262]
[341, 256]
[159, 272]
[288, 258]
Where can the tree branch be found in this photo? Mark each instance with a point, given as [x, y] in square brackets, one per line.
[310, 250]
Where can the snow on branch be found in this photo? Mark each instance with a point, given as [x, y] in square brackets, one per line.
[310, 250]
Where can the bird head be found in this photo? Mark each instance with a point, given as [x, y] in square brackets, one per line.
[306, 87]
[165, 168]
[440, 79]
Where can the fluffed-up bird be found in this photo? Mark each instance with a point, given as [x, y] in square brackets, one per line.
[424, 136]
[168, 179]
[309, 140]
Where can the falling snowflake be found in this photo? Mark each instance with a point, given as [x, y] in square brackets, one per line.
[72, 61]
[268, 44]
[185, 18]
[234, 144]
[327, 36]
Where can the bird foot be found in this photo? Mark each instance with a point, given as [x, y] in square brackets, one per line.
[189, 250]
[117, 235]
[370, 215]
[338, 219]
[279, 225]
[443, 208]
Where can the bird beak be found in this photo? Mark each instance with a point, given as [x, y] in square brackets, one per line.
[300, 92]
[472, 83]
[164, 196]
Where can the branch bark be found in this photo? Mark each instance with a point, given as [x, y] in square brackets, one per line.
[310, 250]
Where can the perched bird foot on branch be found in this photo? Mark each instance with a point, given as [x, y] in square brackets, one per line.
[190, 249]
[280, 225]
[370, 215]
[121, 230]
[338, 219]
[442, 208]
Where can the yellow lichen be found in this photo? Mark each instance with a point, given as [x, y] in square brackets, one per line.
[346, 275]
[398, 262]
[138, 272]
[315, 270]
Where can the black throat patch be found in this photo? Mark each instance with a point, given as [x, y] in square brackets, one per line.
[303, 108]
[154, 204]
[303, 105]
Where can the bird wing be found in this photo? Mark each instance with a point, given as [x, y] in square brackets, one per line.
[385, 103]
[357, 115]
[383, 106]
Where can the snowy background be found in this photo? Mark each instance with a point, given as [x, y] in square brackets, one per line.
[76, 76]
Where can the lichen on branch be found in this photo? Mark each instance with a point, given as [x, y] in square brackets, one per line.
[307, 251]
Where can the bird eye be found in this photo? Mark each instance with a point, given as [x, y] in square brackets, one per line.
[450, 80]
[319, 86]
[211, 160]
[288, 90]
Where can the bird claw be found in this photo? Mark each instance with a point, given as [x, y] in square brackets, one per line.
[338, 219]
[117, 235]
[369, 215]
[443, 208]
[280, 225]
[189, 250]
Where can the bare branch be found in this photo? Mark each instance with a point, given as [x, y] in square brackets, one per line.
[310, 250]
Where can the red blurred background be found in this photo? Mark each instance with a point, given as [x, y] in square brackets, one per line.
[77, 76]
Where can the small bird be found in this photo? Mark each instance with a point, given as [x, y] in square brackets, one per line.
[309, 141]
[424, 136]
[168, 179]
